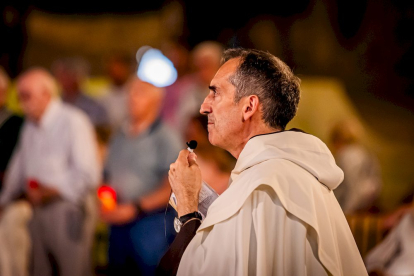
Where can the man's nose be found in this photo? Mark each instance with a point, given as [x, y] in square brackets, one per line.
[205, 106]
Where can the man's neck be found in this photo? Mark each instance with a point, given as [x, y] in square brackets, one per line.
[247, 135]
[37, 120]
[138, 126]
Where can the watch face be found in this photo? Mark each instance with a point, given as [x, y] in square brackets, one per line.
[177, 224]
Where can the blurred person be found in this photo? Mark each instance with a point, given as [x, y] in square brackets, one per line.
[118, 68]
[205, 60]
[103, 135]
[139, 157]
[216, 166]
[16, 245]
[215, 163]
[279, 215]
[196, 129]
[70, 72]
[14, 236]
[178, 52]
[394, 255]
[362, 175]
[56, 166]
[10, 125]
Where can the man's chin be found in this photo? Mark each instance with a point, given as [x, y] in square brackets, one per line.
[211, 139]
[214, 140]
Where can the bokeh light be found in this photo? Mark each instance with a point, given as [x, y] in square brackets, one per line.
[155, 68]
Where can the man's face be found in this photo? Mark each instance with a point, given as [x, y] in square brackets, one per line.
[68, 80]
[142, 99]
[117, 71]
[32, 96]
[224, 115]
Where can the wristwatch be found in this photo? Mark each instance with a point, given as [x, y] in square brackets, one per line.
[179, 222]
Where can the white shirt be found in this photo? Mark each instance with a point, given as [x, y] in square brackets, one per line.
[60, 152]
[279, 215]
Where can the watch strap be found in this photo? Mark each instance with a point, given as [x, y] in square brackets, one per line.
[193, 215]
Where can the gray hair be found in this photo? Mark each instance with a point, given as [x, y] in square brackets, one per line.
[270, 79]
[44, 77]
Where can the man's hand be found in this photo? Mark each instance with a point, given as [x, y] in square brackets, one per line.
[41, 194]
[121, 214]
[185, 180]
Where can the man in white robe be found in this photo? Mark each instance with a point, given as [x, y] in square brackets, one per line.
[279, 215]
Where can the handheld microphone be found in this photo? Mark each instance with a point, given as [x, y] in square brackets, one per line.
[207, 194]
[192, 145]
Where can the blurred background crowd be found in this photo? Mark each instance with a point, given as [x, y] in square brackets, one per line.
[74, 117]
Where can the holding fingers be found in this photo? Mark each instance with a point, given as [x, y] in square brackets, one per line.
[185, 180]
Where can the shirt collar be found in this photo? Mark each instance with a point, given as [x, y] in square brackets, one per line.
[149, 130]
[257, 144]
[50, 113]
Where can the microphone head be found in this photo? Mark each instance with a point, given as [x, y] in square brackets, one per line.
[192, 144]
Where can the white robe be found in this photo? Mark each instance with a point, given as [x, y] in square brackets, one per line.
[279, 215]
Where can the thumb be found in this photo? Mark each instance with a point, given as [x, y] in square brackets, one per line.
[192, 157]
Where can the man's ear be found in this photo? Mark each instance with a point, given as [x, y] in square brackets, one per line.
[250, 106]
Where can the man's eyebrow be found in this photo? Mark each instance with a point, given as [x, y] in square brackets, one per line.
[212, 88]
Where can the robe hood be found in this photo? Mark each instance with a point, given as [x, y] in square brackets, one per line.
[305, 150]
[302, 172]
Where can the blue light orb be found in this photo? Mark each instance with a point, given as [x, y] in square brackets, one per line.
[154, 67]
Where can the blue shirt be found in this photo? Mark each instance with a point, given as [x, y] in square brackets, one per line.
[137, 165]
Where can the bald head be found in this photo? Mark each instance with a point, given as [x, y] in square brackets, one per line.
[206, 59]
[35, 88]
[144, 99]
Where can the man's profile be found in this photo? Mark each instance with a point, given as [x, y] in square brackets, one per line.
[279, 215]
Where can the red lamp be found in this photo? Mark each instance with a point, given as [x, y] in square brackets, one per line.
[107, 196]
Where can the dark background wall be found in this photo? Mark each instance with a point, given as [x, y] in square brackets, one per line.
[365, 44]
